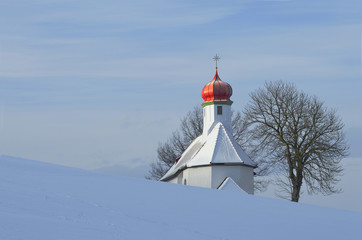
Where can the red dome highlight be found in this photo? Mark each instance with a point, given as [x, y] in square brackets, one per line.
[216, 90]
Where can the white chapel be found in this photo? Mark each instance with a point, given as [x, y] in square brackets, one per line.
[214, 159]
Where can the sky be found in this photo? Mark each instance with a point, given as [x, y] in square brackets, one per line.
[99, 84]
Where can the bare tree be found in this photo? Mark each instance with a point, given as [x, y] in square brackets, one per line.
[295, 136]
[191, 127]
[168, 152]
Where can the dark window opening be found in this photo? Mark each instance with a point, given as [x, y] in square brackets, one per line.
[219, 110]
[185, 183]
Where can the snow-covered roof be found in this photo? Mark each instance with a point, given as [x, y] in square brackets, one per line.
[229, 185]
[218, 147]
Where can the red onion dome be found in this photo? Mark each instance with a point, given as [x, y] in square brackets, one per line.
[217, 90]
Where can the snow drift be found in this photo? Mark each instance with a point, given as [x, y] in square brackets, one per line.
[45, 201]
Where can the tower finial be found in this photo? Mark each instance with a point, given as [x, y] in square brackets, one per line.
[216, 58]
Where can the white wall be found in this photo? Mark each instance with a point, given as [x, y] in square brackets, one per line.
[178, 179]
[211, 117]
[198, 176]
[242, 175]
[213, 175]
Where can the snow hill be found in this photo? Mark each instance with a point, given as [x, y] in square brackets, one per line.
[45, 201]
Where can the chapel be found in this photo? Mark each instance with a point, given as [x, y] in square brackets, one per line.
[214, 159]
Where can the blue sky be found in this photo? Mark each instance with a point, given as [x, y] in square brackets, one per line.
[93, 84]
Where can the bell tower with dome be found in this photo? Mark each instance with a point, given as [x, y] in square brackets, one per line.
[214, 159]
[217, 104]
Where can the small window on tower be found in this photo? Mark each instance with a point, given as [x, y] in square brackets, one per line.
[219, 110]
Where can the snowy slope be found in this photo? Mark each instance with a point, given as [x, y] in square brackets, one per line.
[45, 201]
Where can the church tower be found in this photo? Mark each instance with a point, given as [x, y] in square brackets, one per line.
[214, 159]
[217, 104]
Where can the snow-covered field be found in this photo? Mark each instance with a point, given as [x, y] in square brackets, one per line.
[44, 201]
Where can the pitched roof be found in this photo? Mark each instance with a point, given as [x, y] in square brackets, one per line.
[218, 147]
[230, 185]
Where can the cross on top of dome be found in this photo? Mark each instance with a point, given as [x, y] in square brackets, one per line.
[216, 58]
[217, 90]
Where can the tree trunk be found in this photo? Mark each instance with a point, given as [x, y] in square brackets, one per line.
[295, 194]
[297, 185]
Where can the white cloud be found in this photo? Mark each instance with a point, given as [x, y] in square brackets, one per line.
[86, 139]
[117, 16]
[66, 55]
